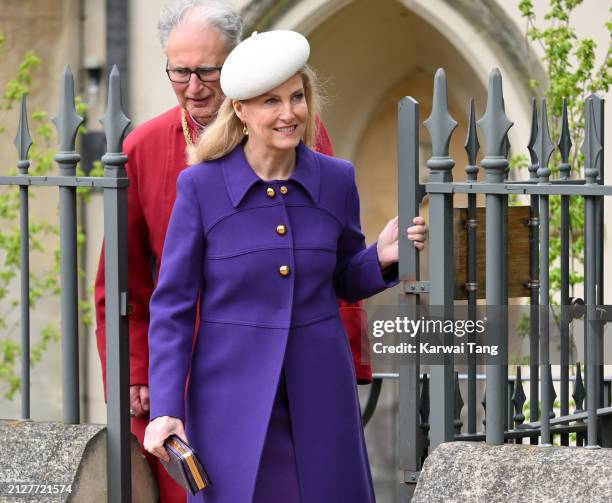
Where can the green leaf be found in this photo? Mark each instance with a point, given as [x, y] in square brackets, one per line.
[526, 8]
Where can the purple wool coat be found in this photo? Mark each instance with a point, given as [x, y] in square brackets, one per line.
[267, 299]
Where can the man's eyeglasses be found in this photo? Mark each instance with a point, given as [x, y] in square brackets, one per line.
[182, 75]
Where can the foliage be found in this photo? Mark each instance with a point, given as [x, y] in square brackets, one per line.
[572, 73]
[44, 284]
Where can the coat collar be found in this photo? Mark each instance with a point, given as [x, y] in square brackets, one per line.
[240, 177]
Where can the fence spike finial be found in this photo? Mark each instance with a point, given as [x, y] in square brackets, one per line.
[494, 123]
[565, 141]
[424, 408]
[579, 393]
[552, 392]
[23, 140]
[440, 124]
[114, 120]
[533, 133]
[544, 145]
[591, 147]
[533, 136]
[67, 121]
[459, 403]
[506, 141]
[518, 398]
[484, 407]
[472, 146]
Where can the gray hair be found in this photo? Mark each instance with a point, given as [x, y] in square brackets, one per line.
[217, 13]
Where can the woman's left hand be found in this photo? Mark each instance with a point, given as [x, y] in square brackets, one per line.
[418, 232]
[388, 246]
[158, 430]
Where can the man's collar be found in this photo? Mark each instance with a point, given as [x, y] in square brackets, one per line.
[194, 126]
[194, 123]
[240, 177]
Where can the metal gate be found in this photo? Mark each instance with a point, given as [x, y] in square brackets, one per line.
[430, 404]
[114, 184]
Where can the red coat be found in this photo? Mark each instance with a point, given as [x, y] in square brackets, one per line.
[156, 155]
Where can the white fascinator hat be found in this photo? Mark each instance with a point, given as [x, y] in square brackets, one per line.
[262, 62]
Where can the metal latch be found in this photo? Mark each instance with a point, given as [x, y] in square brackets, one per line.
[416, 287]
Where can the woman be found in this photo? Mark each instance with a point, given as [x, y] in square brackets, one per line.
[263, 236]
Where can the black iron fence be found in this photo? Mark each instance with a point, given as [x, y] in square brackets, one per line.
[430, 404]
[114, 185]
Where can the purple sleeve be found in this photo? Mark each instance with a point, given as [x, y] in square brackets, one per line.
[173, 304]
[358, 273]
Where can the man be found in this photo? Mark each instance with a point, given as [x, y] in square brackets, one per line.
[196, 37]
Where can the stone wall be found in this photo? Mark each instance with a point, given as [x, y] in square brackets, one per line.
[44, 457]
[480, 473]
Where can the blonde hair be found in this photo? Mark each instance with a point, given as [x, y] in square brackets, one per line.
[226, 132]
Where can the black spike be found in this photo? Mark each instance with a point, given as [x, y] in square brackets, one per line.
[544, 145]
[440, 124]
[565, 141]
[67, 121]
[484, 407]
[114, 120]
[424, 405]
[494, 123]
[458, 405]
[579, 393]
[23, 140]
[553, 393]
[592, 147]
[518, 399]
[533, 136]
[472, 146]
[533, 133]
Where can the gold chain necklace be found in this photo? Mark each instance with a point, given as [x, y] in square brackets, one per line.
[185, 125]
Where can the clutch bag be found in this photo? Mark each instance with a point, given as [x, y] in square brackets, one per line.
[184, 466]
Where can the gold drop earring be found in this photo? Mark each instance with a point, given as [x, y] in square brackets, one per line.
[245, 130]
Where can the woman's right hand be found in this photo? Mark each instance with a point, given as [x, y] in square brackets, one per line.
[158, 431]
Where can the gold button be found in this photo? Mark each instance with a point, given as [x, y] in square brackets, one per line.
[283, 270]
[284, 189]
[270, 192]
[281, 229]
